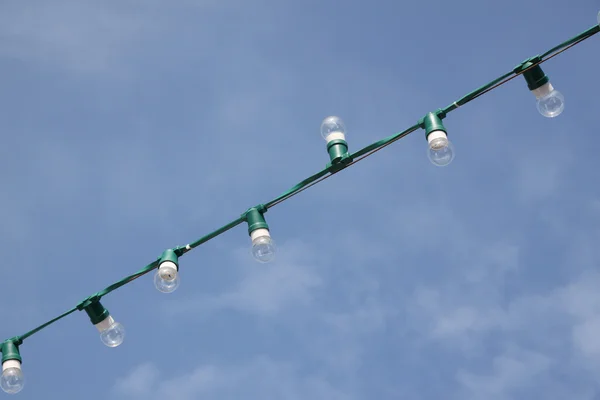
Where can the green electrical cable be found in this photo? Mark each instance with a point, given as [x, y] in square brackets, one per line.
[39, 328]
[327, 172]
[579, 38]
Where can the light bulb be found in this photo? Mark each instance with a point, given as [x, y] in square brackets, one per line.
[112, 333]
[440, 150]
[166, 278]
[551, 105]
[550, 102]
[263, 247]
[332, 128]
[12, 380]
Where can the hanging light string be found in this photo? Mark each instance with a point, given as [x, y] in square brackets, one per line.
[167, 264]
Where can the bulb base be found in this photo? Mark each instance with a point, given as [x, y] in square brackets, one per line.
[337, 149]
[259, 233]
[255, 220]
[436, 135]
[543, 90]
[11, 364]
[96, 312]
[105, 324]
[335, 136]
[10, 352]
[167, 271]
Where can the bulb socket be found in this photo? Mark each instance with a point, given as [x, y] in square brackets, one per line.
[337, 149]
[169, 256]
[10, 351]
[96, 312]
[432, 123]
[534, 76]
[255, 220]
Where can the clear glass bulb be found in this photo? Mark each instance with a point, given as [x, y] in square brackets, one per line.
[12, 380]
[263, 249]
[113, 335]
[552, 104]
[166, 278]
[440, 151]
[333, 125]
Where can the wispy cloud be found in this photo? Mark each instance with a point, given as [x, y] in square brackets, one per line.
[513, 375]
[261, 289]
[259, 378]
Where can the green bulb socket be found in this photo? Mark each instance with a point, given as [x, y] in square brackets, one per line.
[532, 72]
[169, 255]
[10, 351]
[255, 220]
[535, 77]
[337, 149]
[96, 312]
[431, 123]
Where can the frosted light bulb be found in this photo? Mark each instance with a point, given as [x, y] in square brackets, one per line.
[112, 333]
[550, 102]
[440, 150]
[166, 278]
[332, 128]
[263, 247]
[12, 380]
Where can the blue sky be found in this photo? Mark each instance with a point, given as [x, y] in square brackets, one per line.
[134, 126]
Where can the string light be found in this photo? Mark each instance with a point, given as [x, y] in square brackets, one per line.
[12, 380]
[550, 102]
[333, 131]
[440, 150]
[112, 333]
[166, 279]
[263, 247]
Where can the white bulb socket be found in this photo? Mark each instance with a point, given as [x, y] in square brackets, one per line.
[543, 90]
[167, 270]
[11, 364]
[436, 135]
[105, 324]
[255, 234]
[337, 135]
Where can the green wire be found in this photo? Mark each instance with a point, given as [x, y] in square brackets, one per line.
[581, 37]
[323, 174]
[39, 328]
[296, 189]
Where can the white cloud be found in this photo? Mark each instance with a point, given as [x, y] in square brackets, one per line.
[586, 336]
[262, 289]
[514, 370]
[139, 382]
[269, 289]
[581, 301]
[260, 378]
